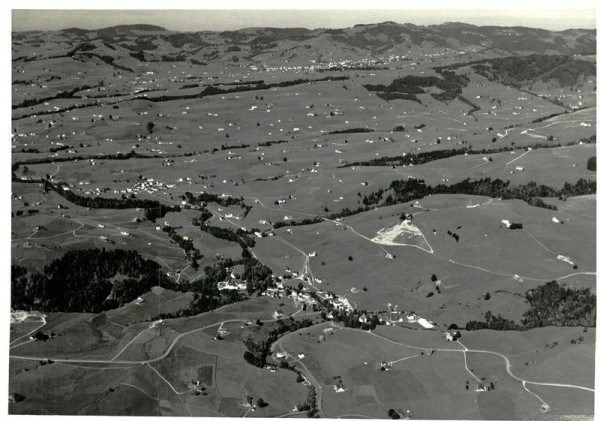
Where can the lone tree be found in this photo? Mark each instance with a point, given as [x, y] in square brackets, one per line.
[591, 164]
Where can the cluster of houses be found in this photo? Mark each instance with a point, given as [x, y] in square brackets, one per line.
[232, 283]
[394, 317]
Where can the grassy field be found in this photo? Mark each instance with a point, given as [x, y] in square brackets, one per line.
[415, 380]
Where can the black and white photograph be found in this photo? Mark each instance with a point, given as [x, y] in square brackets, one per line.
[375, 211]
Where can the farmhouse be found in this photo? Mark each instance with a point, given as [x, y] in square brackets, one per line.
[452, 335]
[231, 285]
[278, 314]
[339, 388]
[425, 323]
[481, 388]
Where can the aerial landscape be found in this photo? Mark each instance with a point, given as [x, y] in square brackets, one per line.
[378, 221]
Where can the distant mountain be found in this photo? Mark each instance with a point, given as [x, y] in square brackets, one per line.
[257, 45]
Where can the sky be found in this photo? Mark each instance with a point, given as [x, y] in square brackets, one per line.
[272, 14]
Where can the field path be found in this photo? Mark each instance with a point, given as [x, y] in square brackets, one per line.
[27, 335]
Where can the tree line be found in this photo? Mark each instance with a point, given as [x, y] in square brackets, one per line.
[428, 156]
[413, 189]
[153, 208]
[259, 343]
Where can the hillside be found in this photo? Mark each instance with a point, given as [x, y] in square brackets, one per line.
[380, 221]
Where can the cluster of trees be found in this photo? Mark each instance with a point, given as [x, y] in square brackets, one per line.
[549, 305]
[474, 107]
[345, 212]
[521, 70]
[187, 244]
[153, 208]
[397, 414]
[239, 236]
[350, 319]
[89, 280]
[204, 216]
[259, 343]
[409, 86]
[210, 197]
[306, 221]
[22, 82]
[373, 198]
[271, 142]
[60, 148]
[354, 130]
[454, 235]
[240, 146]
[258, 277]
[202, 303]
[311, 403]
[553, 305]
[493, 322]
[591, 163]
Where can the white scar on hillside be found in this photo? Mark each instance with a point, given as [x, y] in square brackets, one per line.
[404, 231]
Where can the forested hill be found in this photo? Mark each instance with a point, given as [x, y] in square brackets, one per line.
[90, 280]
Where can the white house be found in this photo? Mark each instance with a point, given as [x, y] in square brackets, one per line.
[425, 323]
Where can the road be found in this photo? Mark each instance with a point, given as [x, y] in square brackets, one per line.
[164, 355]
[311, 378]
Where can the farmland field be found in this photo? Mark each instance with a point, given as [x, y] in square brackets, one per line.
[379, 221]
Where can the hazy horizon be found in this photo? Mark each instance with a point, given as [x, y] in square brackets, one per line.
[220, 20]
